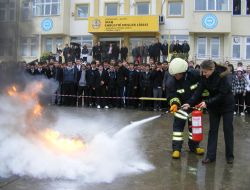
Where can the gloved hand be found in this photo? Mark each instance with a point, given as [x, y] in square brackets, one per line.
[173, 108]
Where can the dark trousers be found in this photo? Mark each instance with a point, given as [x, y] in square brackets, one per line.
[68, 89]
[247, 100]
[178, 128]
[147, 92]
[113, 92]
[100, 93]
[214, 119]
[131, 93]
[239, 103]
[121, 94]
[92, 99]
[82, 90]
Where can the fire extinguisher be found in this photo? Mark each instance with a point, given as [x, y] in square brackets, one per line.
[197, 129]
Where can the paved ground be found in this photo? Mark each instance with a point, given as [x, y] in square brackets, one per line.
[186, 173]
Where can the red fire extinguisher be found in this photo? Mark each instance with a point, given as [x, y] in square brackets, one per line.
[197, 129]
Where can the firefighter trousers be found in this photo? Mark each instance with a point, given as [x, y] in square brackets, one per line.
[214, 119]
[178, 135]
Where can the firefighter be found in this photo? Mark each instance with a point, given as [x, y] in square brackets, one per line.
[220, 103]
[181, 86]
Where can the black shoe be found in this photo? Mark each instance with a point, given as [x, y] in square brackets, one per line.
[207, 161]
[230, 160]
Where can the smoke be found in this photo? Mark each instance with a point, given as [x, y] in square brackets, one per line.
[13, 18]
[108, 154]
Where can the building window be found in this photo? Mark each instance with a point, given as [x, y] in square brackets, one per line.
[82, 11]
[46, 7]
[3, 12]
[215, 47]
[83, 40]
[25, 13]
[24, 47]
[111, 9]
[175, 8]
[236, 47]
[48, 45]
[201, 47]
[200, 5]
[33, 46]
[248, 7]
[180, 38]
[142, 8]
[7, 11]
[237, 7]
[6, 47]
[28, 46]
[248, 48]
[215, 5]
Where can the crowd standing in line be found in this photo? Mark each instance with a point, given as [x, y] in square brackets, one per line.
[111, 82]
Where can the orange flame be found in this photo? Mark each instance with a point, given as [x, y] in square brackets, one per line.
[50, 137]
[12, 91]
[58, 142]
[37, 110]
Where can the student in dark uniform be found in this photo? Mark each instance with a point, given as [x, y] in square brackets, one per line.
[220, 104]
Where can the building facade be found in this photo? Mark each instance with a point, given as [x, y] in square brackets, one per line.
[214, 29]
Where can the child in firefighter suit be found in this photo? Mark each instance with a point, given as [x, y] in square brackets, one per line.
[181, 86]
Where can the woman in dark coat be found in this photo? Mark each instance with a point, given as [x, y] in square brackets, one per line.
[220, 104]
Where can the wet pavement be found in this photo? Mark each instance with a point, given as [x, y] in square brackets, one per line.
[155, 142]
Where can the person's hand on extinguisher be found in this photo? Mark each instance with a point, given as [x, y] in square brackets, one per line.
[202, 105]
[185, 106]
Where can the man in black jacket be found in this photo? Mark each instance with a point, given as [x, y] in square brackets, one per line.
[91, 83]
[101, 80]
[132, 87]
[97, 52]
[122, 77]
[124, 52]
[157, 78]
[220, 103]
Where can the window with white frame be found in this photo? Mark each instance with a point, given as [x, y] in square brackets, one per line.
[215, 47]
[12, 11]
[142, 8]
[3, 12]
[248, 48]
[111, 9]
[48, 44]
[28, 46]
[248, 7]
[175, 8]
[24, 47]
[181, 38]
[236, 47]
[201, 47]
[82, 40]
[33, 46]
[6, 47]
[237, 7]
[59, 42]
[8, 11]
[215, 5]
[25, 13]
[82, 11]
[46, 7]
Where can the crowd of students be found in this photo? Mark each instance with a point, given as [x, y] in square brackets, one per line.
[121, 84]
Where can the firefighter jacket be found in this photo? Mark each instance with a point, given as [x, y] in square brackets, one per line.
[180, 91]
[220, 97]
